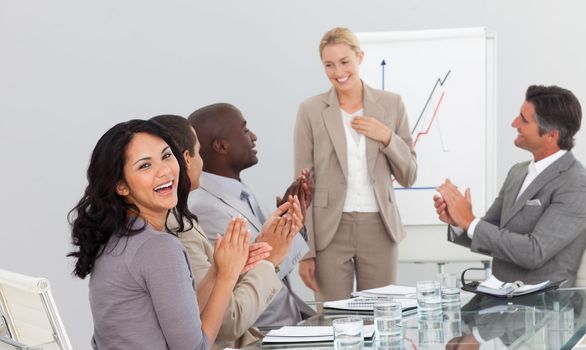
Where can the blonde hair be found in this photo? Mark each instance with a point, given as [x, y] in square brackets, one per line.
[340, 35]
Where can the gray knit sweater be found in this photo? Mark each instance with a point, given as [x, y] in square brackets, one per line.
[142, 295]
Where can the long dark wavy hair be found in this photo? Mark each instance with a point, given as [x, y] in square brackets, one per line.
[101, 212]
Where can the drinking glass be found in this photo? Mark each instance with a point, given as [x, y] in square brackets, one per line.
[348, 333]
[388, 319]
[429, 299]
[450, 290]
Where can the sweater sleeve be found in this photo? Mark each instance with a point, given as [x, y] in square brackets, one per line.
[164, 266]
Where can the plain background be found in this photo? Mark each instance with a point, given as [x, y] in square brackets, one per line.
[69, 70]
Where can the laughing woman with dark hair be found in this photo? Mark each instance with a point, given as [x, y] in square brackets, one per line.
[142, 292]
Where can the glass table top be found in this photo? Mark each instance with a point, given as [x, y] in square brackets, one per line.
[550, 320]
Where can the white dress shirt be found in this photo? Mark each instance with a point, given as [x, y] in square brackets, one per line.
[360, 192]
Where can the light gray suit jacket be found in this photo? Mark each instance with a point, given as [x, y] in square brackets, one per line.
[542, 235]
[320, 145]
[214, 207]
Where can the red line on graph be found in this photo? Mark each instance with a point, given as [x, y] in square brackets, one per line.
[431, 122]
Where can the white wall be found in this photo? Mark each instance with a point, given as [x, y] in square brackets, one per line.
[71, 69]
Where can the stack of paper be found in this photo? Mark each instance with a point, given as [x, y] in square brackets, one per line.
[494, 286]
[390, 291]
[307, 334]
[366, 304]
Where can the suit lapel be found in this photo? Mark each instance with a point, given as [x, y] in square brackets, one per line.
[333, 122]
[371, 109]
[550, 173]
[511, 192]
[199, 230]
[217, 190]
[174, 224]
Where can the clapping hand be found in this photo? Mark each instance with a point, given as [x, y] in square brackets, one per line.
[295, 211]
[256, 253]
[442, 209]
[305, 193]
[279, 231]
[302, 187]
[232, 251]
[456, 205]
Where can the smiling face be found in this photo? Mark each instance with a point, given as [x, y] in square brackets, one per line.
[528, 137]
[341, 65]
[527, 127]
[151, 174]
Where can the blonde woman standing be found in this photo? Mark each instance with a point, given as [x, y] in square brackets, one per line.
[356, 140]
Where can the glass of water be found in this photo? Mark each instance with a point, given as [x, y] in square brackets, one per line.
[388, 325]
[450, 290]
[348, 333]
[387, 319]
[429, 299]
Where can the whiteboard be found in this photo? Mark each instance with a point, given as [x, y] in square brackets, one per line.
[447, 81]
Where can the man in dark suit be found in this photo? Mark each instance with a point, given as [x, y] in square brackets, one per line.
[536, 228]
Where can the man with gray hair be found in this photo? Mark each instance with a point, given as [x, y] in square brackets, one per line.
[536, 228]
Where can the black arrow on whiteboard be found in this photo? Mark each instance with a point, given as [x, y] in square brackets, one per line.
[382, 68]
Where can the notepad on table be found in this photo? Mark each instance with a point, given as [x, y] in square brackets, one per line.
[390, 291]
[307, 334]
[366, 304]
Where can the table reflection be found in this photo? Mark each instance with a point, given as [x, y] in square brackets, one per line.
[551, 320]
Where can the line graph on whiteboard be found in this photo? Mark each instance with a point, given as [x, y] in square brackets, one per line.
[427, 118]
[425, 112]
[442, 84]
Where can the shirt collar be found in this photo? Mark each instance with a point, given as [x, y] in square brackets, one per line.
[230, 185]
[358, 113]
[541, 165]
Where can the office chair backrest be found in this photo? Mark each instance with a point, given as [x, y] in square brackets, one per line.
[28, 315]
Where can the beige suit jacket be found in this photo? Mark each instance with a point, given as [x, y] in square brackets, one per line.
[320, 145]
[253, 292]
